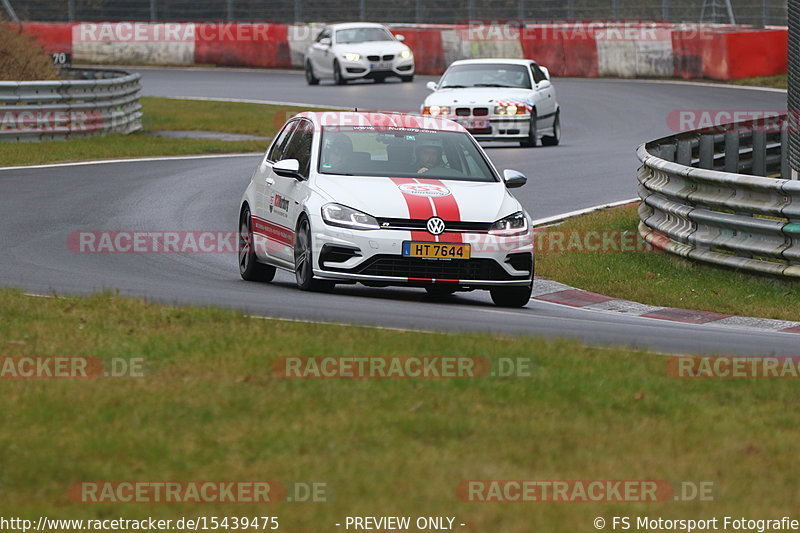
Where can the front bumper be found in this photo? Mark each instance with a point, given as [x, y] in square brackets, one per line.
[375, 258]
[366, 69]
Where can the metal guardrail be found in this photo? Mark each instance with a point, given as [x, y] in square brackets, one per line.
[705, 196]
[89, 102]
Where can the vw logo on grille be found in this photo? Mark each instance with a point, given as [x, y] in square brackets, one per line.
[435, 226]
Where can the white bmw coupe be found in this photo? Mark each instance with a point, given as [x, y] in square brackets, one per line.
[498, 100]
[385, 199]
[344, 52]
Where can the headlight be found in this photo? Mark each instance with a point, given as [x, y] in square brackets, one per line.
[405, 54]
[350, 56]
[435, 110]
[515, 224]
[510, 109]
[346, 217]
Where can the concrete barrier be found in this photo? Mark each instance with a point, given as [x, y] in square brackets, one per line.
[570, 49]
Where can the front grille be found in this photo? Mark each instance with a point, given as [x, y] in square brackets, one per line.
[388, 57]
[462, 111]
[420, 225]
[374, 58]
[414, 267]
[480, 111]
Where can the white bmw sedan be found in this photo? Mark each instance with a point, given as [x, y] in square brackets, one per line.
[385, 199]
[344, 52]
[498, 100]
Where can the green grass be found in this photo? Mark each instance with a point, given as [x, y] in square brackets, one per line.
[665, 280]
[209, 408]
[163, 114]
[778, 82]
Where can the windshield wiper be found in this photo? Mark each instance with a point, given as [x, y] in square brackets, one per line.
[455, 86]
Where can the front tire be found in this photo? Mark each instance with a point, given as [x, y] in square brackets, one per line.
[304, 260]
[553, 140]
[530, 142]
[512, 296]
[338, 79]
[311, 79]
[249, 267]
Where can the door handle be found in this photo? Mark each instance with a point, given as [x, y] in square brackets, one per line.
[270, 181]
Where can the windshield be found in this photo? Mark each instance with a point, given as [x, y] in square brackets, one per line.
[362, 35]
[402, 152]
[486, 75]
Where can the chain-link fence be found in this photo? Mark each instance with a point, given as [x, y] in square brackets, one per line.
[755, 12]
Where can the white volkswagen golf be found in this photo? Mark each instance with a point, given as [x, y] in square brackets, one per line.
[498, 100]
[344, 52]
[385, 199]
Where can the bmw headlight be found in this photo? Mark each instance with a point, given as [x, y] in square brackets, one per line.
[346, 217]
[510, 109]
[350, 56]
[514, 224]
[435, 110]
[405, 54]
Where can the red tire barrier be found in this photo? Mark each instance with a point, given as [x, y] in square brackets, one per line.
[566, 50]
[53, 36]
[242, 45]
[427, 47]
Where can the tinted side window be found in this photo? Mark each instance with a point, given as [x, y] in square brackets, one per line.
[279, 147]
[300, 146]
[538, 75]
[323, 34]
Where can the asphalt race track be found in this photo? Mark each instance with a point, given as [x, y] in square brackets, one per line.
[603, 121]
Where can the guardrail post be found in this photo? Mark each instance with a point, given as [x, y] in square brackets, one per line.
[706, 152]
[785, 172]
[759, 153]
[732, 152]
[683, 155]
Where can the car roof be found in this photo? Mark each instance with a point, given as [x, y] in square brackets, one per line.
[501, 61]
[349, 25]
[380, 120]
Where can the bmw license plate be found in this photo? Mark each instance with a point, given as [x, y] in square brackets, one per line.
[436, 250]
[474, 123]
[380, 66]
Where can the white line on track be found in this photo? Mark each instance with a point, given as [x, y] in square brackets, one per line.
[133, 160]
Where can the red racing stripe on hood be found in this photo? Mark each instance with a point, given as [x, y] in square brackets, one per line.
[446, 209]
[419, 207]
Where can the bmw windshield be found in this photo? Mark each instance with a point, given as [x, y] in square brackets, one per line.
[402, 152]
[486, 75]
[362, 35]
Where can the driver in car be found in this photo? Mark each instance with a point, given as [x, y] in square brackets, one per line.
[429, 157]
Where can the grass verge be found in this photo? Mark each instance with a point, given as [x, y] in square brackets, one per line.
[210, 408]
[163, 114]
[778, 82]
[661, 279]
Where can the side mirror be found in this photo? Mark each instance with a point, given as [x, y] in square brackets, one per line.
[325, 41]
[544, 84]
[545, 71]
[400, 38]
[514, 178]
[431, 85]
[288, 168]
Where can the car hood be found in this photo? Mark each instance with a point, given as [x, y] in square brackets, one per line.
[477, 96]
[372, 47]
[421, 197]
